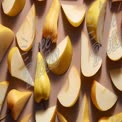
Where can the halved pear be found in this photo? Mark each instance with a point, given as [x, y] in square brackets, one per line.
[60, 58]
[114, 47]
[3, 90]
[95, 19]
[16, 101]
[113, 118]
[90, 62]
[17, 67]
[13, 7]
[26, 33]
[26, 118]
[71, 89]
[42, 82]
[83, 115]
[6, 38]
[47, 115]
[102, 98]
[116, 77]
[74, 13]
[61, 118]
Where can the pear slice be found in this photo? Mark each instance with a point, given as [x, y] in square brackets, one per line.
[16, 101]
[114, 47]
[6, 38]
[13, 7]
[102, 98]
[26, 33]
[83, 115]
[116, 77]
[60, 58]
[71, 90]
[26, 118]
[113, 118]
[3, 90]
[74, 13]
[90, 62]
[95, 19]
[42, 82]
[61, 118]
[47, 115]
[17, 67]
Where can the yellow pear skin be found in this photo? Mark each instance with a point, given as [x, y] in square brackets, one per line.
[42, 82]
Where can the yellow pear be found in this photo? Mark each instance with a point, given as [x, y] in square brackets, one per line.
[16, 101]
[13, 7]
[6, 38]
[83, 115]
[17, 67]
[61, 118]
[51, 21]
[114, 118]
[3, 90]
[114, 46]
[102, 98]
[71, 90]
[95, 19]
[74, 13]
[90, 62]
[47, 115]
[42, 82]
[26, 33]
[59, 59]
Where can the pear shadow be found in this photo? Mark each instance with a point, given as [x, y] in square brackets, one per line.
[116, 7]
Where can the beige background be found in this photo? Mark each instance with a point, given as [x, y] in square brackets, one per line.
[64, 29]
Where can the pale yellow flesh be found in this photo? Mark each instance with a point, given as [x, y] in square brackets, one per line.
[26, 118]
[113, 118]
[83, 115]
[95, 19]
[42, 82]
[60, 58]
[74, 13]
[26, 33]
[17, 67]
[114, 47]
[16, 101]
[3, 90]
[116, 77]
[102, 98]
[47, 115]
[6, 38]
[90, 62]
[13, 7]
[71, 89]
[61, 118]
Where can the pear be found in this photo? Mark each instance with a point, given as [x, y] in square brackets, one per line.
[83, 115]
[3, 90]
[59, 59]
[13, 7]
[74, 13]
[114, 118]
[50, 30]
[114, 47]
[95, 19]
[71, 89]
[6, 38]
[16, 101]
[116, 77]
[17, 67]
[26, 118]
[90, 62]
[26, 33]
[42, 82]
[102, 98]
[47, 115]
[61, 118]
